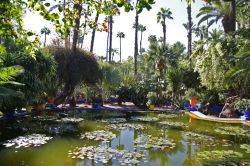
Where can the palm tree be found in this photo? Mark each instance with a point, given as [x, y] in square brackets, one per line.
[215, 35]
[120, 35]
[141, 28]
[136, 40]
[158, 54]
[114, 52]
[86, 11]
[152, 39]
[162, 15]
[106, 20]
[46, 31]
[77, 13]
[190, 23]
[220, 10]
[93, 32]
[110, 36]
[201, 31]
[190, 28]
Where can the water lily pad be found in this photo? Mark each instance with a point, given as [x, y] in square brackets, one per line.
[167, 116]
[145, 119]
[99, 135]
[219, 157]
[70, 120]
[27, 141]
[149, 141]
[126, 125]
[233, 131]
[114, 120]
[104, 154]
[175, 125]
[246, 147]
[205, 140]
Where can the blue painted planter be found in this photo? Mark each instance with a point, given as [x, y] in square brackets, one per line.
[97, 105]
[247, 114]
[216, 109]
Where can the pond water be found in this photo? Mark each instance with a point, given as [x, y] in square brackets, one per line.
[121, 138]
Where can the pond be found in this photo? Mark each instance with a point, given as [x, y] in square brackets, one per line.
[121, 138]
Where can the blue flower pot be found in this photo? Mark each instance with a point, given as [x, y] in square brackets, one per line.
[247, 114]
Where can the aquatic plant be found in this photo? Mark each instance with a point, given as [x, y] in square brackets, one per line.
[167, 116]
[104, 154]
[145, 119]
[126, 125]
[233, 131]
[114, 120]
[219, 157]
[149, 142]
[175, 125]
[196, 138]
[27, 141]
[246, 147]
[70, 120]
[99, 135]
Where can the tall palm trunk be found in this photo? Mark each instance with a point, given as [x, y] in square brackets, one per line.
[44, 44]
[120, 49]
[85, 24]
[164, 31]
[110, 37]
[141, 43]
[136, 43]
[229, 21]
[78, 8]
[93, 34]
[107, 50]
[189, 10]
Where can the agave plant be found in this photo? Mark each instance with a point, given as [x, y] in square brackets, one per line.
[7, 76]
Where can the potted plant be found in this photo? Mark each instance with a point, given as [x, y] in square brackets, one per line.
[39, 104]
[152, 98]
[191, 95]
[243, 105]
[97, 101]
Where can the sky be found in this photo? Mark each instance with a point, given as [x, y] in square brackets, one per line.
[175, 30]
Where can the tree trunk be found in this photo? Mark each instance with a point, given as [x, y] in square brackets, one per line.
[229, 21]
[93, 34]
[107, 51]
[110, 37]
[136, 43]
[120, 49]
[78, 8]
[85, 24]
[44, 44]
[141, 44]
[164, 32]
[189, 10]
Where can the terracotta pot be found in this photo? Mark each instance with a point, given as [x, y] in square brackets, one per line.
[193, 101]
[50, 100]
[39, 107]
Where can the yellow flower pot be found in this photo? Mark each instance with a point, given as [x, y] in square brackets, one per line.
[151, 107]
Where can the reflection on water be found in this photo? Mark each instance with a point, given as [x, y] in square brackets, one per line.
[55, 152]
